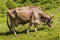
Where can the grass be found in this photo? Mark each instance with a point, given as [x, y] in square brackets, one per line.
[44, 33]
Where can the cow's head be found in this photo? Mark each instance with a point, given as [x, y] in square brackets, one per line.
[50, 21]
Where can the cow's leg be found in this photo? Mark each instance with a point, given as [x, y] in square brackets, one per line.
[10, 27]
[44, 24]
[29, 28]
[36, 22]
[14, 32]
[13, 29]
[35, 25]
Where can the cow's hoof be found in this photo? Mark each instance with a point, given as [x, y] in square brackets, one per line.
[28, 31]
[36, 31]
[15, 34]
[51, 27]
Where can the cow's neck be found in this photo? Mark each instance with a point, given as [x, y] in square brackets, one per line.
[45, 18]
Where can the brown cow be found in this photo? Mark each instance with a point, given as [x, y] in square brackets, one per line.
[31, 14]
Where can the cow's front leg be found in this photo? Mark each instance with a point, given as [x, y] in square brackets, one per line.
[29, 28]
[35, 24]
[44, 24]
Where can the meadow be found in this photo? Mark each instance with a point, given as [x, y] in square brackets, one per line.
[43, 33]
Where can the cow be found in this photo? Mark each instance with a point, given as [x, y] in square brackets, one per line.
[31, 14]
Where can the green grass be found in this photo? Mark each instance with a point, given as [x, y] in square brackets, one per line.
[43, 34]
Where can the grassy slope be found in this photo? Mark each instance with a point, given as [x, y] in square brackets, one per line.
[45, 34]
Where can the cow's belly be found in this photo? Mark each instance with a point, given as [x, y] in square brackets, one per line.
[24, 17]
[20, 21]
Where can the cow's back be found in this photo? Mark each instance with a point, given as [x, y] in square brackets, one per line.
[24, 14]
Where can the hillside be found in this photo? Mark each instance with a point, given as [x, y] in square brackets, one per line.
[44, 33]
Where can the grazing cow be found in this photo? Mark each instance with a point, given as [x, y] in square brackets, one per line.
[31, 14]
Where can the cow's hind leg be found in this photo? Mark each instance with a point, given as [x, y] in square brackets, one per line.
[29, 28]
[12, 28]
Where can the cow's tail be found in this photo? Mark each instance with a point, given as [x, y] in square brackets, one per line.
[7, 20]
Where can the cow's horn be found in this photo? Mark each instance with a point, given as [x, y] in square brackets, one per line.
[52, 15]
